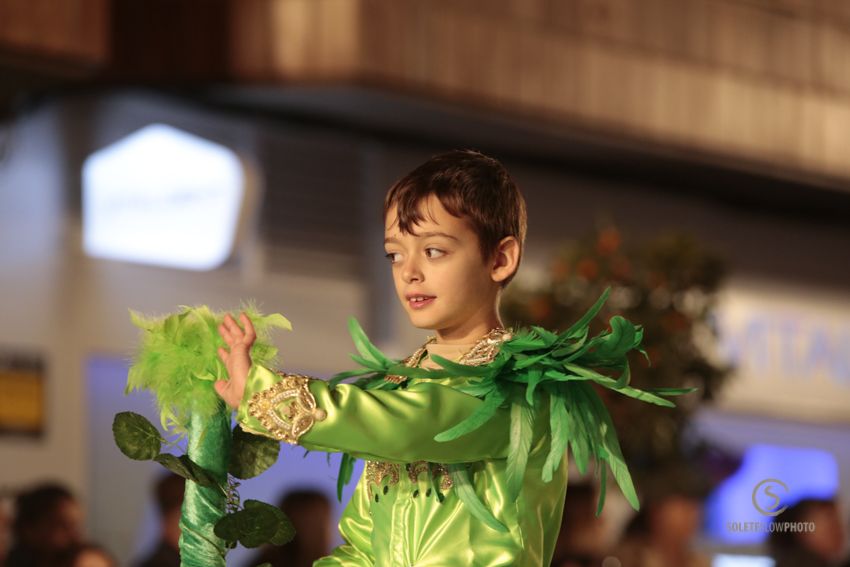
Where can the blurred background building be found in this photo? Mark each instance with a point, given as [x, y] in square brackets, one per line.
[169, 152]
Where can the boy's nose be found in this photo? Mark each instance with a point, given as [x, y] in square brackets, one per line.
[411, 271]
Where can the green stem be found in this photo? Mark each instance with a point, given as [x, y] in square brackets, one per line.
[208, 446]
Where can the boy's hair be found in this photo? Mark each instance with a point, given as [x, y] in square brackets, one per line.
[471, 186]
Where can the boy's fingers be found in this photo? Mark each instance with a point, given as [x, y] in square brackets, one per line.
[233, 326]
[225, 334]
[223, 354]
[249, 327]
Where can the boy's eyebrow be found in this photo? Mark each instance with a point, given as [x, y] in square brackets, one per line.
[425, 235]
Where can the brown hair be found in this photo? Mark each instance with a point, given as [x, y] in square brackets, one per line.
[471, 186]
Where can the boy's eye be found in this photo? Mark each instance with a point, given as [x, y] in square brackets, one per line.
[391, 256]
[437, 250]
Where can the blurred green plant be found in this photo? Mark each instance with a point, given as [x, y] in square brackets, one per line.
[668, 284]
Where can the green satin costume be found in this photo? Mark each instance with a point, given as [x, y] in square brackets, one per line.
[404, 510]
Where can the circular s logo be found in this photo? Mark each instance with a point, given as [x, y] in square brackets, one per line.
[767, 487]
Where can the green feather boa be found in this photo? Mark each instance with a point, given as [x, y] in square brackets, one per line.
[533, 362]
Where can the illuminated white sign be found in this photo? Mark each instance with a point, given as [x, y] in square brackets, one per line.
[162, 196]
[791, 350]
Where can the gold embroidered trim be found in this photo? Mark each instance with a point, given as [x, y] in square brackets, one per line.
[482, 352]
[412, 360]
[486, 349]
[287, 409]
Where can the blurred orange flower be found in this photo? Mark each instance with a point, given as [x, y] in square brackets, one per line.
[608, 242]
[540, 308]
[588, 268]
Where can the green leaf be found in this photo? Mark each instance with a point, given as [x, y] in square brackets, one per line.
[285, 530]
[367, 363]
[187, 468]
[346, 468]
[671, 391]
[340, 376]
[136, 436]
[591, 313]
[526, 361]
[251, 455]
[465, 370]
[603, 484]
[522, 429]
[534, 378]
[611, 384]
[475, 420]
[252, 527]
[364, 345]
[579, 439]
[607, 439]
[479, 389]
[559, 428]
[548, 336]
[417, 372]
[462, 485]
[620, 340]
[625, 377]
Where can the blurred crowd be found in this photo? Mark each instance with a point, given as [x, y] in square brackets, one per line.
[45, 528]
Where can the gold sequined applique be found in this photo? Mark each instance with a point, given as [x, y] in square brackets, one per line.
[287, 409]
[377, 470]
[414, 469]
[437, 469]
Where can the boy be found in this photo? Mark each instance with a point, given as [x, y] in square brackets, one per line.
[454, 229]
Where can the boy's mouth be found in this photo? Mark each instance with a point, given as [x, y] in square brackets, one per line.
[419, 301]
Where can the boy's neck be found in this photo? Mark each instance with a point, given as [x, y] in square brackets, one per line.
[468, 333]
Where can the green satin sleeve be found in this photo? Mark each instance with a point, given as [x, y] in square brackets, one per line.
[355, 527]
[388, 425]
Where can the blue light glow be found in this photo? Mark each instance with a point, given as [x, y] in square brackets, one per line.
[807, 473]
[742, 561]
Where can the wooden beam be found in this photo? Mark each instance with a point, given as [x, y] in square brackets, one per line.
[758, 81]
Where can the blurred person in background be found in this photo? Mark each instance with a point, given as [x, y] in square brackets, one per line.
[662, 532]
[4, 531]
[581, 540]
[47, 522]
[169, 492]
[85, 555]
[822, 546]
[310, 512]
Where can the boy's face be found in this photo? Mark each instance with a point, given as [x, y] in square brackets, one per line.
[441, 261]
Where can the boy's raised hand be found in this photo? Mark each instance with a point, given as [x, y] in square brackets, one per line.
[237, 360]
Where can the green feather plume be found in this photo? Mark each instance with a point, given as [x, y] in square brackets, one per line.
[177, 359]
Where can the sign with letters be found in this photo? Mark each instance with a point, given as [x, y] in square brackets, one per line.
[791, 350]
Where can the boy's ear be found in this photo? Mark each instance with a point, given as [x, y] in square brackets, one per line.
[505, 259]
